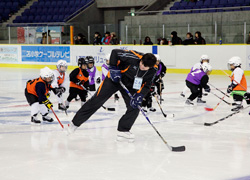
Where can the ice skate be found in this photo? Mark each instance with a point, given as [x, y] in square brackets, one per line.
[189, 102]
[200, 101]
[48, 118]
[35, 120]
[71, 128]
[237, 108]
[61, 107]
[125, 136]
[182, 95]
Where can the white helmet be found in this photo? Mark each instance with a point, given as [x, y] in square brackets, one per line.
[204, 57]
[46, 73]
[207, 68]
[61, 63]
[158, 58]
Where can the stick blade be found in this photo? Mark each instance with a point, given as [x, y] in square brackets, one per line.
[111, 109]
[208, 109]
[210, 124]
[179, 149]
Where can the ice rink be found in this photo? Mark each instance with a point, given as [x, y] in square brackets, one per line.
[45, 152]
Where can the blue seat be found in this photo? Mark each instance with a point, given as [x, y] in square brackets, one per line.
[43, 18]
[173, 8]
[65, 3]
[223, 2]
[24, 19]
[215, 2]
[220, 6]
[41, 3]
[196, 11]
[49, 18]
[231, 1]
[32, 11]
[8, 4]
[47, 4]
[55, 18]
[53, 4]
[37, 18]
[17, 20]
[207, 3]
[246, 9]
[39, 11]
[30, 19]
[183, 4]
[203, 11]
[219, 10]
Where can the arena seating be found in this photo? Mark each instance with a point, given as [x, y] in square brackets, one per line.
[208, 6]
[51, 11]
[9, 7]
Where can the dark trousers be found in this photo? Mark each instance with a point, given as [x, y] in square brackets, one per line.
[196, 90]
[30, 97]
[92, 87]
[73, 92]
[104, 92]
[147, 101]
[160, 87]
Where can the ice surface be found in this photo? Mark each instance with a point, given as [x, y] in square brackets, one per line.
[44, 152]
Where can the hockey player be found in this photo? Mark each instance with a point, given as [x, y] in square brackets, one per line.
[196, 80]
[36, 93]
[204, 59]
[237, 90]
[147, 100]
[136, 71]
[79, 81]
[159, 75]
[58, 84]
[94, 76]
[105, 70]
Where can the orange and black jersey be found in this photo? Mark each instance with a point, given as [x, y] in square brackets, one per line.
[78, 75]
[128, 62]
[39, 88]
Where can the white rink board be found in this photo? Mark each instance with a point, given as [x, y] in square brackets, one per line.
[177, 57]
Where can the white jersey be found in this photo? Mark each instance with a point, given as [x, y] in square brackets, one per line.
[59, 79]
[196, 66]
[238, 74]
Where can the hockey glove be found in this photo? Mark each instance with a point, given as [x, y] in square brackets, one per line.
[231, 87]
[98, 80]
[47, 95]
[115, 74]
[207, 89]
[48, 104]
[59, 91]
[136, 100]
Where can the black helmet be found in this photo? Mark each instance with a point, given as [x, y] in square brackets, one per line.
[90, 59]
[81, 61]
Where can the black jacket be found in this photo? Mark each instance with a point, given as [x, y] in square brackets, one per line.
[129, 64]
[200, 40]
[188, 41]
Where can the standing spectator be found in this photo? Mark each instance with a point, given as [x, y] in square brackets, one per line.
[248, 40]
[97, 39]
[175, 39]
[44, 38]
[106, 39]
[147, 41]
[81, 39]
[114, 40]
[198, 38]
[189, 39]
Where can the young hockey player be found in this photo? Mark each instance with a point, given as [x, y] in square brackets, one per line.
[203, 59]
[159, 75]
[94, 76]
[136, 71]
[237, 90]
[105, 70]
[58, 84]
[196, 80]
[79, 79]
[36, 93]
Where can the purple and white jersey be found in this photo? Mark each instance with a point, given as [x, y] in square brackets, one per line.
[92, 73]
[195, 76]
[105, 70]
[159, 70]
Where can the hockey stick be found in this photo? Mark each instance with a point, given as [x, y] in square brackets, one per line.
[222, 119]
[165, 115]
[56, 117]
[174, 149]
[230, 104]
[212, 109]
[160, 91]
[107, 109]
[219, 90]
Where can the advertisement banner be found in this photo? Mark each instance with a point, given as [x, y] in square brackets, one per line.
[8, 54]
[45, 53]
